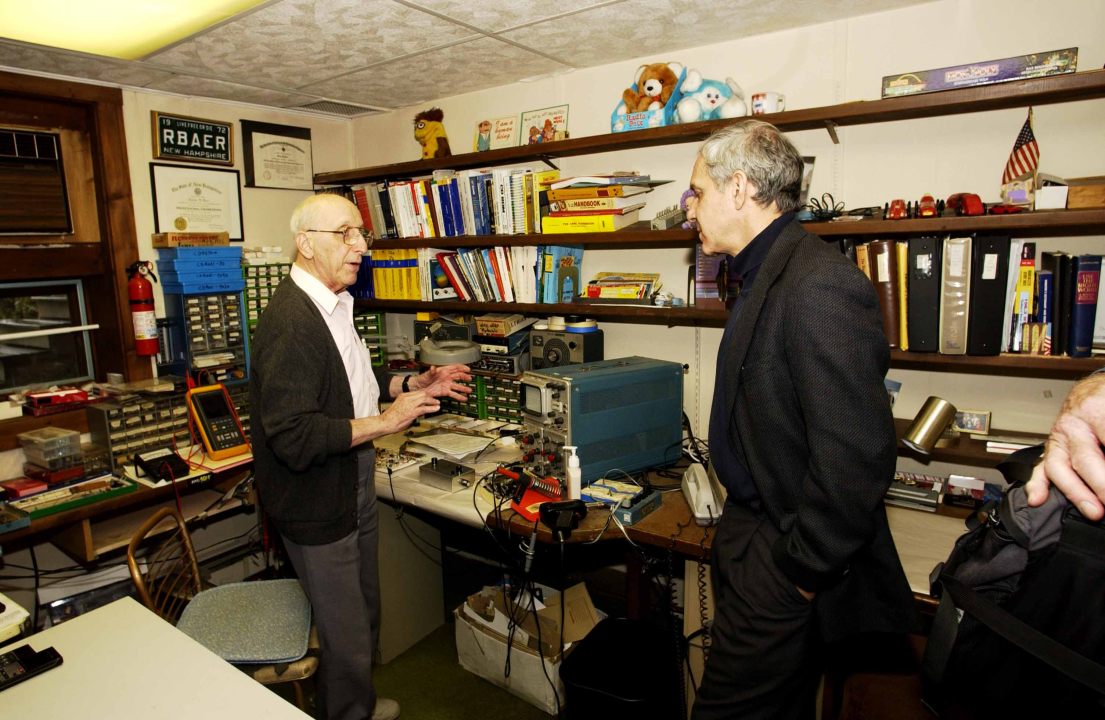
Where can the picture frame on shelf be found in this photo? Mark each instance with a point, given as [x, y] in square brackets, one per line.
[973, 422]
[196, 199]
[495, 133]
[545, 125]
[277, 157]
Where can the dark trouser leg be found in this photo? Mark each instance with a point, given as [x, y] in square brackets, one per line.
[765, 659]
[341, 580]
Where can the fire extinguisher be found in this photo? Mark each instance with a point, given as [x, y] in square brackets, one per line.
[140, 292]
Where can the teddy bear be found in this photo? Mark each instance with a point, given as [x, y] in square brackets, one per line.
[655, 84]
[709, 99]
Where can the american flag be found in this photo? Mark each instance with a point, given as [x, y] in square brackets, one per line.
[1025, 157]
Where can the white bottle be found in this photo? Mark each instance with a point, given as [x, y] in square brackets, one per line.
[575, 475]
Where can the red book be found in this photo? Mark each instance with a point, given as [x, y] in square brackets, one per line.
[498, 273]
[366, 214]
[444, 259]
[22, 487]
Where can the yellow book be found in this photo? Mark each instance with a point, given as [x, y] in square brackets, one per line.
[378, 273]
[540, 180]
[588, 223]
[903, 293]
[1024, 302]
[424, 187]
[861, 260]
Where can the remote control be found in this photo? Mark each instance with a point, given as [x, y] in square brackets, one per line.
[23, 663]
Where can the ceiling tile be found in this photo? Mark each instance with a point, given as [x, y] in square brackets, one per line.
[205, 87]
[495, 16]
[92, 67]
[453, 70]
[296, 42]
[647, 27]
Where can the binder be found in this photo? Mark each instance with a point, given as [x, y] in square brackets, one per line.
[955, 296]
[1086, 271]
[923, 303]
[882, 257]
[989, 275]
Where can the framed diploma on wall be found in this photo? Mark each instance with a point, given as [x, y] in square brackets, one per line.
[277, 156]
[192, 199]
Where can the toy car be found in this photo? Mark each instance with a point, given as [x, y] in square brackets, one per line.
[895, 210]
[1006, 209]
[966, 204]
[926, 207]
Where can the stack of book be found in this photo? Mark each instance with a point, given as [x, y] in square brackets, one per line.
[595, 203]
[623, 286]
[981, 295]
[451, 204]
[1006, 445]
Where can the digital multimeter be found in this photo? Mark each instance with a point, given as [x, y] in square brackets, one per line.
[218, 423]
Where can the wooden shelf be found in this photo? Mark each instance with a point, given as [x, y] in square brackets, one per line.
[9, 429]
[969, 450]
[1004, 364]
[1023, 93]
[632, 313]
[1026, 224]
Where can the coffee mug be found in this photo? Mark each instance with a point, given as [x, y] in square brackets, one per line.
[768, 102]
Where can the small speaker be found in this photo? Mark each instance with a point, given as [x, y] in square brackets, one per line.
[552, 348]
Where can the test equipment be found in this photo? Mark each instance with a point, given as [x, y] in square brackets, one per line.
[554, 348]
[217, 421]
[624, 414]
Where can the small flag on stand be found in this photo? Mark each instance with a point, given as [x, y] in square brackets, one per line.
[1025, 157]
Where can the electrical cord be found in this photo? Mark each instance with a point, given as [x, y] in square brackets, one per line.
[34, 563]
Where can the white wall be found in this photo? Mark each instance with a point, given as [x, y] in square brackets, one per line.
[265, 212]
[826, 64]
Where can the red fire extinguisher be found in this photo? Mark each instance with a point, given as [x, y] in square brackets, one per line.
[140, 292]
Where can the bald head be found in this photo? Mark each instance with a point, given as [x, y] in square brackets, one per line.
[320, 211]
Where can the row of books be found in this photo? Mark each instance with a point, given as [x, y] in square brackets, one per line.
[541, 274]
[981, 295]
[500, 202]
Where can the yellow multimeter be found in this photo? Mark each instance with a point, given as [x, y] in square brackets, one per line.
[218, 423]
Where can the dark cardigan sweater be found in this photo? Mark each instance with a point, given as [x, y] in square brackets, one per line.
[300, 408]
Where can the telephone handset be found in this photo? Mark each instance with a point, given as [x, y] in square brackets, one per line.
[704, 494]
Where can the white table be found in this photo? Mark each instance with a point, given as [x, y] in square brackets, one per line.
[122, 661]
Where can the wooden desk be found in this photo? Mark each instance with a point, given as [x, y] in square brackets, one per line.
[122, 661]
[72, 529]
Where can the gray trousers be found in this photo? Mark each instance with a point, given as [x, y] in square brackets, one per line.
[342, 581]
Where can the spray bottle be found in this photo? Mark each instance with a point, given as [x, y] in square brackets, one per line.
[575, 475]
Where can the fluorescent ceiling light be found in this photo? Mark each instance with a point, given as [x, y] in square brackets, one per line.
[125, 29]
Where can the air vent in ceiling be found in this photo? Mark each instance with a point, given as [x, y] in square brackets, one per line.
[334, 108]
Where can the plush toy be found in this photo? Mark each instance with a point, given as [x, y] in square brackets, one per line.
[430, 133]
[709, 99]
[655, 84]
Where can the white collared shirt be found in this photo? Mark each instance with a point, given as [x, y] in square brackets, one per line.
[337, 311]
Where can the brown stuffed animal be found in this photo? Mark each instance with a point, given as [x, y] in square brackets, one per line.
[655, 84]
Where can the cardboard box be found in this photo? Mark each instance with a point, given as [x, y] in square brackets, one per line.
[1052, 197]
[502, 324]
[190, 239]
[1087, 192]
[1054, 62]
[482, 626]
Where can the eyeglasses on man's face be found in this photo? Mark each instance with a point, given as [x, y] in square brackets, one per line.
[350, 236]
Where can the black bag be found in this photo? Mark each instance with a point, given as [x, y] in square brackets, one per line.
[1021, 621]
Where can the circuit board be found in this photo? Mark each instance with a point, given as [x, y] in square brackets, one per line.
[392, 460]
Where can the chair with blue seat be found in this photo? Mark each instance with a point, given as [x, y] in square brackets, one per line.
[263, 628]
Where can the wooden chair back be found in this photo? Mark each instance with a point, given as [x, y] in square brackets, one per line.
[172, 576]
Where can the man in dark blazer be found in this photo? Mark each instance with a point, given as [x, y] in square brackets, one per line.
[801, 437]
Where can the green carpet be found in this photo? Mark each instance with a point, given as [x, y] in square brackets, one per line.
[430, 684]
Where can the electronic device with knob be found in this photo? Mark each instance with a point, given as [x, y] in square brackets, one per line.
[623, 414]
[554, 348]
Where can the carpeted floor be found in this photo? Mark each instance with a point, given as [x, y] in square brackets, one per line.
[429, 684]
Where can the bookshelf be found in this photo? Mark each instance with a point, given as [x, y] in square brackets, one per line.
[1023, 93]
[1037, 91]
[967, 450]
[637, 236]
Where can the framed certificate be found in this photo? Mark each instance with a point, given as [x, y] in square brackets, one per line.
[192, 199]
[277, 156]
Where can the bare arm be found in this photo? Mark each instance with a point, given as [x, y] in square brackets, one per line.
[396, 418]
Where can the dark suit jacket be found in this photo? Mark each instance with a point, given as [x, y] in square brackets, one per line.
[814, 428]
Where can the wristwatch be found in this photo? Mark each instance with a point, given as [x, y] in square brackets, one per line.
[406, 383]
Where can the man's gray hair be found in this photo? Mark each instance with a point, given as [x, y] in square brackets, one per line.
[761, 152]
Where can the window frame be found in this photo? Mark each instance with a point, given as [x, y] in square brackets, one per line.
[83, 328]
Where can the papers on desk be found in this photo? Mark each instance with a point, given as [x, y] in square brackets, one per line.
[454, 444]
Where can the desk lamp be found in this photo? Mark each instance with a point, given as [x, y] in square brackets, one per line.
[934, 426]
